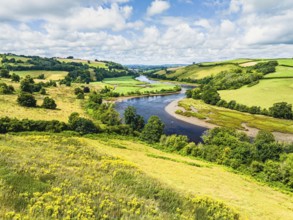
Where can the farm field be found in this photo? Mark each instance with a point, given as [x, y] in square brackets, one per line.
[281, 72]
[126, 84]
[92, 63]
[288, 62]
[54, 168]
[49, 75]
[264, 94]
[234, 119]
[198, 72]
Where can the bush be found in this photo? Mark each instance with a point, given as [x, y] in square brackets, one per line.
[5, 89]
[27, 100]
[15, 78]
[82, 125]
[49, 103]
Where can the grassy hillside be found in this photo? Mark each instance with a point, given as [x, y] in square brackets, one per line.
[233, 119]
[106, 177]
[55, 177]
[90, 62]
[196, 71]
[49, 75]
[275, 87]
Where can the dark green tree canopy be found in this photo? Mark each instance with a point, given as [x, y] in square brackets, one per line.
[153, 130]
[27, 100]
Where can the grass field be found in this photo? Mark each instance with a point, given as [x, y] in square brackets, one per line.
[234, 119]
[266, 93]
[126, 84]
[65, 99]
[197, 72]
[49, 75]
[281, 72]
[55, 168]
[124, 80]
[287, 62]
[92, 63]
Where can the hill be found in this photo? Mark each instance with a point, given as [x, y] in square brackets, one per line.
[274, 87]
[199, 71]
[49, 175]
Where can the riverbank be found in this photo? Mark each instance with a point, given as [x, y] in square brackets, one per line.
[251, 132]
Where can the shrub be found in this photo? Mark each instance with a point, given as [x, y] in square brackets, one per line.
[27, 100]
[281, 110]
[49, 103]
[5, 89]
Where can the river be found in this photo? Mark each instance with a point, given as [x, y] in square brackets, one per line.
[155, 105]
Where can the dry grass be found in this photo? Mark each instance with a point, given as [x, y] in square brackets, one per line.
[253, 200]
[64, 97]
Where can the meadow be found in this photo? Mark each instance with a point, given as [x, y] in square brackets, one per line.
[90, 63]
[233, 119]
[49, 75]
[198, 72]
[61, 177]
[275, 87]
[126, 84]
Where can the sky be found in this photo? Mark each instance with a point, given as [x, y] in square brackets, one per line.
[148, 31]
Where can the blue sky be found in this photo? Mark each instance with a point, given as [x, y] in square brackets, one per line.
[148, 31]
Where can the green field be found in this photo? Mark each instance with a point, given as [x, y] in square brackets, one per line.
[270, 90]
[49, 75]
[234, 119]
[126, 84]
[124, 80]
[92, 63]
[287, 62]
[198, 72]
[55, 174]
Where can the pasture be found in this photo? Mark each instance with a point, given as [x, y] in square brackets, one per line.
[49, 75]
[264, 94]
[235, 119]
[90, 63]
[198, 72]
[127, 84]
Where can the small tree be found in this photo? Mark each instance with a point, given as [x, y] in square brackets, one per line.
[27, 100]
[281, 110]
[152, 130]
[43, 91]
[49, 103]
[5, 89]
[15, 78]
[131, 118]
[82, 125]
[4, 73]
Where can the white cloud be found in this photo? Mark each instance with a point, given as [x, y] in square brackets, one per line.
[203, 23]
[158, 7]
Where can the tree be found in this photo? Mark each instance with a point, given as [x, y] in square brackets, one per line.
[5, 89]
[281, 110]
[49, 103]
[82, 125]
[86, 89]
[43, 91]
[4, 73]
[210, 95]
[27, 100]
[131, 118]
[152, 130]
[15, 78]
[27, 84]
[111, 117]
[96, 98]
